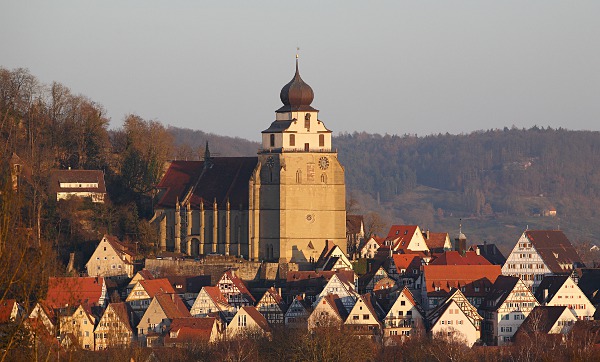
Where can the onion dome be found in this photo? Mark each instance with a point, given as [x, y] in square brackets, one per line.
[296, 95]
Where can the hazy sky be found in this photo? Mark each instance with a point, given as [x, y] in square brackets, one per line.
[378, 66]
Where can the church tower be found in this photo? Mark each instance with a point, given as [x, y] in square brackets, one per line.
[299, 192]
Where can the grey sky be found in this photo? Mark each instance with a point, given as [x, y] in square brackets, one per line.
[378, 66]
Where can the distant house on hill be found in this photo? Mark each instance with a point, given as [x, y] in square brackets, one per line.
[112, 259]
[78, 183]
[355, 233]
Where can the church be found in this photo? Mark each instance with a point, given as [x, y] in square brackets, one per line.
[282, 205]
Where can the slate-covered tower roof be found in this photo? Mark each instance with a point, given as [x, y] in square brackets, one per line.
[297, 95]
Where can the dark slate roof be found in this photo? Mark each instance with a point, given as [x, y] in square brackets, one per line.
[278, 126]
[541, 319]
[491, 253]
[501, 289]
[552, 283]
[297, 95]
[75, 176]
[189, 284]
[554, 248]
[353, 223]
[227, 179]
[589, 283]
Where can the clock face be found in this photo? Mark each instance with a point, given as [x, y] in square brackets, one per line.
[323, 163]
[270, 161]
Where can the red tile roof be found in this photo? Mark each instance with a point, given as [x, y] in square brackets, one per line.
[336, 305]
[125, 314]
[6, 309]
[401, 235]
[155, 286]
[554, 248]
[408, 262]
[354, 223]
[74, 291]
[436, 240]
[239, 284]
[455, 258]
[258, 318]
[172, 305]
[227, 179]
[215, 294]
[446, 277]
[191, 329]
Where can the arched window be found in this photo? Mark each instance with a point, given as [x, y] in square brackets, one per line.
[298, 177]
[323, 178]
[321, 140]
[272, 140]
[292, 140]
[307, 121]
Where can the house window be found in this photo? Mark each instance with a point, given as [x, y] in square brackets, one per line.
[242, 320]
[402, 302]
[355, 317]
[365, 316]
[292, 140]
[105, 248]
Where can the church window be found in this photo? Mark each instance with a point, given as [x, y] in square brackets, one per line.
[321, 140]
[323, 178]
[292, 140]
[298, 177]
[272, 140]
[307, 121]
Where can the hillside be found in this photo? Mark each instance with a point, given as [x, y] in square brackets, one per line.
[498, 182]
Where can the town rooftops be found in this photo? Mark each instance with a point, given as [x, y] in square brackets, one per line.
[555, 249]
[191, 329]
[172, 305]
[541, 319]
[549, 286]
[125, 314]
[258, 318]
[224, 179]
[155, 286]
[74, 291]
[455, 258]
[501, 289]
[436, 240]
[490, 252]
[474, 279]
[8, 310]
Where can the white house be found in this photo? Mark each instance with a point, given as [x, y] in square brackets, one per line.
[247, 321]
[297, 313]
[505, 308]
[538, 253]
[364, 318]
[561, 290]
[455, 319]
[404, 318]
[111, 259]
[211, 300]
[343, 288]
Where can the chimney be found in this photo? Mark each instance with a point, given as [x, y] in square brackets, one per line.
[545, 296]
[427, 234]
[279, 291]
[478, 250]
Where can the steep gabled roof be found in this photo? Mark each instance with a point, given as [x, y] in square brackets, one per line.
[239, 283]
[64, 291]
[551, 283]
[542, 319]
[6, 308]
[335, 302]
[436, 240]
[490, 252]
[125, 314]
[589, 283]
[408, 262]
[155, 286]
[215, 294]
[172, 305]
[463, 304]
[226, 179]
[191, 329]
[455, 258]
[275, 295]
[354, 224]
[501, 289]
[401, 235]
[258, 318]
[554, 248]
